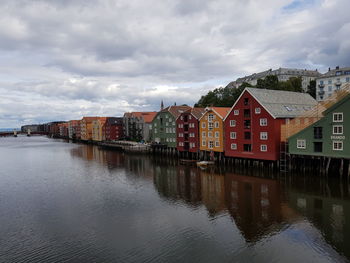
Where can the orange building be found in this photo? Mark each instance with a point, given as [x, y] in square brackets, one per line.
[86, 128]
[97, 128]
[211, 129]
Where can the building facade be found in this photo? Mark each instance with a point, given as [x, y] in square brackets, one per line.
[164, 125]
[72, 128]
[113, 129]
[97, 129]
[253, 125]
[187, 130]
[331, 81]
[327, 137]
[211, 129]
[86, 128]
[283, 74]
[137, 125]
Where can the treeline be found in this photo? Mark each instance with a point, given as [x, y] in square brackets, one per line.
[226, 97]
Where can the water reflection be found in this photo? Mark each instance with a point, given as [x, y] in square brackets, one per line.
[259, 207]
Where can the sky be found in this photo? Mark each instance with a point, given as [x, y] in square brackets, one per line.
[61, 60]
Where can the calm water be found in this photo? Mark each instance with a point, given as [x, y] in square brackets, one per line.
[65, 202]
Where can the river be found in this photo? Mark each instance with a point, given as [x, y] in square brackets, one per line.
[69, 202]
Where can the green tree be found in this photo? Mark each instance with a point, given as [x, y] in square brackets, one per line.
[269, 82]
[311, 88]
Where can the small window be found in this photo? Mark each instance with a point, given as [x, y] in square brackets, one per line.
[318, 133]
[203, 125]
[210, 134]
[233, 146]
[288, 108]
[210, 125]
[301, 144]
[337, 145]
[232, 123]
[247, 135]
[203, 134]
[246, 101]
[338, 129]
[246, 113]
[318, 147]
[190, 118]
[217, 144]
[217, 134]
[233, 135]
[247, 147]
[211, 144]
[236, 112]
[263, 148]
[216, 124]
[263, 122]
[257, 110]
[210, 117]
[338, 117]
[203, 143]
[263, 135]
[181, 118]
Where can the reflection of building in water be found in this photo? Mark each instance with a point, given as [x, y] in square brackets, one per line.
[330, 215]
[178, 182]
[255, 205]
[213, 192]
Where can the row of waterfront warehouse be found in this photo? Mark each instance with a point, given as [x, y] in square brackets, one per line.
[261, 125]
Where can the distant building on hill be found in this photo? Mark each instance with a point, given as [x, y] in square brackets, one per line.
[331, 81]
[283, 74]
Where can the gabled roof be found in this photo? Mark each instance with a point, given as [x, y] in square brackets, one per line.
[220, 111]
[280, 103]
[176, 110]
[197, 112]
[147, 116]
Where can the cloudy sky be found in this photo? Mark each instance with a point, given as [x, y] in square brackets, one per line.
[60, 60]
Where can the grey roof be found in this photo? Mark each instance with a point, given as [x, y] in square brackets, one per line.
[332, 72]
[283, 104]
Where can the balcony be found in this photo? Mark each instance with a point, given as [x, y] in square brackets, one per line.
[321, 92]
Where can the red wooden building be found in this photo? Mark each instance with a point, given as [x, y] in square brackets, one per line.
[187, 130]
[113, 129]
[253, 126]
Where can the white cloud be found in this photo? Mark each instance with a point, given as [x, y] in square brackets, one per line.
[105, 57]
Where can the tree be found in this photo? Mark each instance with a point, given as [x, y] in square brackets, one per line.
[269, 82]
[221, 97]
[311, 88]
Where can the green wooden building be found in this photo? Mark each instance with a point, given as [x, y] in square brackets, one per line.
[163, 130]
[328, 137]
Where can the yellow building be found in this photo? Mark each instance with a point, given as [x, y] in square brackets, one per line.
[86, 128]
[211, 129]
[97, 127]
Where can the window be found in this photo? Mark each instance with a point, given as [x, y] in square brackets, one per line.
[216, 124]
[247, 136]
[233, 135]
[217, 134]
[338, 129]
[190, 118]
[236, 112]
[263, 135]
[330, 88]
[337, 145]
[203, 134]
[247, 147]
[233, 146]
[181, 135]
[211, 144]
[318, 132]
[321, 82]
[330, 81]
[318, 147]
[210, 134]
[257, 110]
[246, 124]
[179, 126]
[263, 148]
[263, 122]
[338, 117]
[301, 144]
[210, 117]
[155, 130]
[203, 125]
[203, 143]
[246, 113]
[181, 118]
[210, 125]
[217, 144]
[246, 101]
[288, 108]
[232, 123]
[347, 79]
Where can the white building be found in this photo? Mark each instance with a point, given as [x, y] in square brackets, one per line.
[331, 81]
[283, 74]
